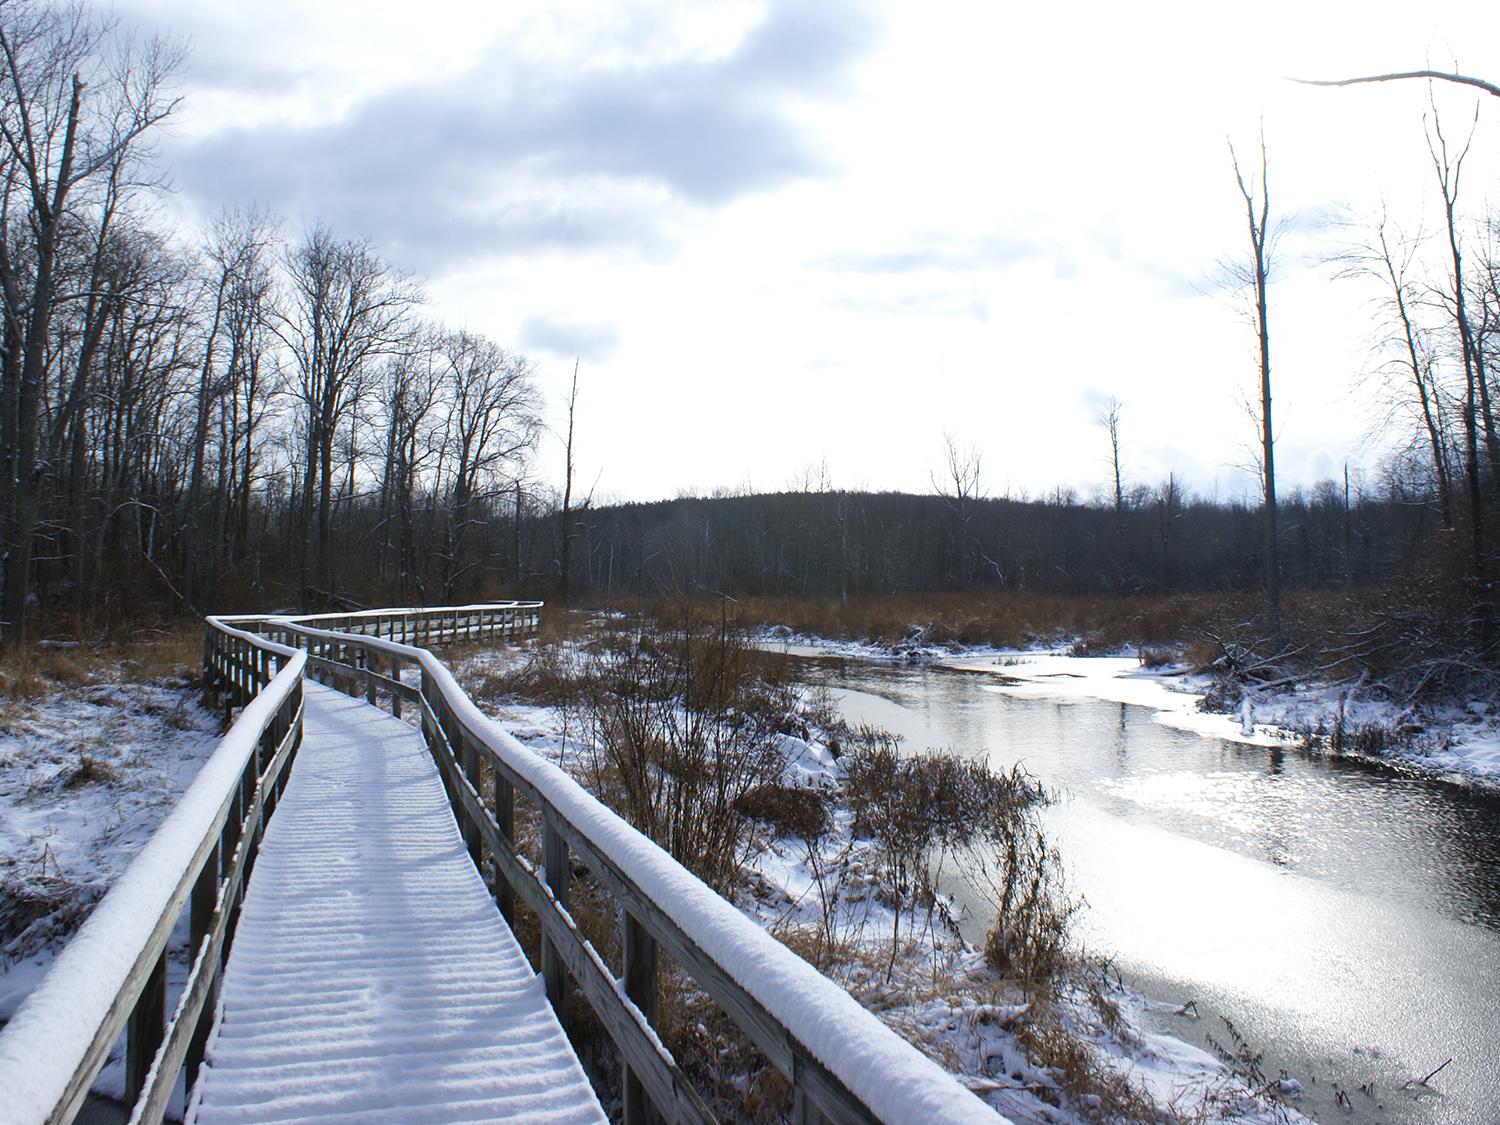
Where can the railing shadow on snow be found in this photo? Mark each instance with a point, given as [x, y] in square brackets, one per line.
[843, 1064]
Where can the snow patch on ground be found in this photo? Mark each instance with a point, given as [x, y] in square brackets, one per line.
[87, 773]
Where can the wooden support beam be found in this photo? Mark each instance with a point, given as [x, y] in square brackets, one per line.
[555, 859]
[640, 986]
[505, 821]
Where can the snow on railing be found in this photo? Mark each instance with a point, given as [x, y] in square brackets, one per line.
[843, 1063]
[112, 975]
[487, 621]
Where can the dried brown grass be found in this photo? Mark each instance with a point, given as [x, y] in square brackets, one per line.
[1008, 619]
[92, 770]
[143, 655]
[1099, 1091]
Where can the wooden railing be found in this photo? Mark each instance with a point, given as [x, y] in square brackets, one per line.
[492, 621]
[860, 1071]
[112, 976]
[842, 1063]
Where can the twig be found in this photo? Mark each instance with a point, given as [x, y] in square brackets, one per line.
[1425, 1079]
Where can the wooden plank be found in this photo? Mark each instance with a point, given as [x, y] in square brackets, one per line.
[504, 799]
[201, 911]
[145, 1028]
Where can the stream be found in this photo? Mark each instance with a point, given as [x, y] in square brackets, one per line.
[1344, 916]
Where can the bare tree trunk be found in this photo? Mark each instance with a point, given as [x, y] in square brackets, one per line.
[1449, 170]
[567, 504]
[33, 361]
[1257, 221]
[1429, 420]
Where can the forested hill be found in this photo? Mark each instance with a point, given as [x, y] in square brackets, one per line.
[858, 542]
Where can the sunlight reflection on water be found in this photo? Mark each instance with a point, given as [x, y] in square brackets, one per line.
[1346, 918]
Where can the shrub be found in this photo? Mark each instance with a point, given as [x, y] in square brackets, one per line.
[920, 809]
[678, 723]
[1033, 914]
[787, 810]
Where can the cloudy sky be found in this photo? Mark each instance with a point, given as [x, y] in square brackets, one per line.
[781, 234]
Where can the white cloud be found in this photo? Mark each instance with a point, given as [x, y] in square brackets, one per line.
[811, 233]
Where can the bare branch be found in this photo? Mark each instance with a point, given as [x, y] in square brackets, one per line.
[1396, 76]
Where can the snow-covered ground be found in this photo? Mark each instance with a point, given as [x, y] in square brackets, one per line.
[942, 995]
[87, 773]
[1461, 742]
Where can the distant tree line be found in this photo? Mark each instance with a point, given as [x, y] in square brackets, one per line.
[833, 543]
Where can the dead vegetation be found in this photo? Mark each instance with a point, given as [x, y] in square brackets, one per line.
[92, 741]
[678, 725]
[37, 909]
[145, 655]
[1001, 619]
[1091, 625]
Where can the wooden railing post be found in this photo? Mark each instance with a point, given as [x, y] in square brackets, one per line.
[555, 857]
[640, 987]
[505, 820]
[250, 830]
[208, 667]
[395, 695]
[468, 755]
[145, 1030]
[200, 922]
[805, 1111]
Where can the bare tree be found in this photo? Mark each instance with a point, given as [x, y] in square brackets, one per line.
[961, 490]
[566, 562]
[235, 247]
[1109, 417]
[346, 310]
[1256, 271]
[1169, 511]
[492, 422]
[412, 398]
[1448, 167]
[74, 102]
[1387, 257]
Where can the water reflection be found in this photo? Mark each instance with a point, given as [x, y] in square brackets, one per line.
[1361, 827]
[1348, 917]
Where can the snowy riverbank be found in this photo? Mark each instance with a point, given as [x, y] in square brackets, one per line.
[1008, 1044]
[1460, 743]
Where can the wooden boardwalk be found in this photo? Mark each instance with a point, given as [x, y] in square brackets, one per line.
[371, 977]
[331, 850]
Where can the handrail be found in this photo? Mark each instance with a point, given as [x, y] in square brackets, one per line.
[843, 1063]
[112, 973]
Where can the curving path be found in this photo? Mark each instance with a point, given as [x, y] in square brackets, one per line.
[372, 978]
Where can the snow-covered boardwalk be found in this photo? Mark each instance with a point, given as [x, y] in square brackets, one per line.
[372, 978]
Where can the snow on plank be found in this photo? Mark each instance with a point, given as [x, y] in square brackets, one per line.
[372, 978]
